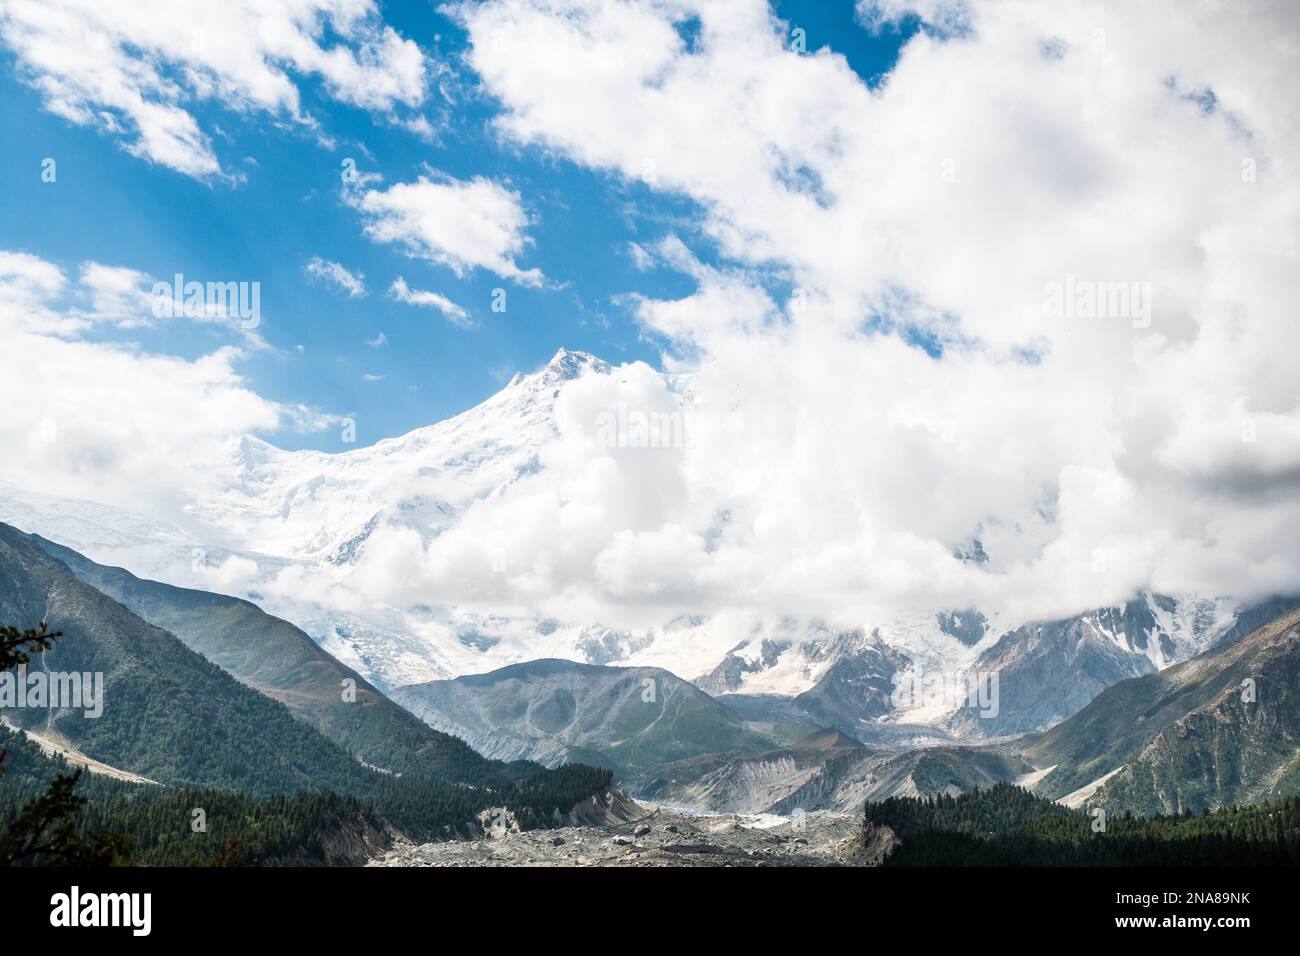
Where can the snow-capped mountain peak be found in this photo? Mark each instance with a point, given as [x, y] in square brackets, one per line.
[566, 365]
[318, 506]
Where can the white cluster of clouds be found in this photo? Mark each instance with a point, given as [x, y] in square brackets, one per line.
[402, 292]
[335, 274]
[136, 69]
[109, 420]
[461, 224]
[1013, 148]
[565, 539]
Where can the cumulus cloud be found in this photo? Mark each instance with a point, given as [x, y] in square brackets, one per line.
[400, 291]
[462, 224]
[944, 18]
[27, 285]
[602, 482]
[916, 391]
[336, 275]
[35, 295]
[118, 294]
[136, 69]
[111, 421]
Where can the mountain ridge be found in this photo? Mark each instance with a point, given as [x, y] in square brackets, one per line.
[1191, 736]
[280, 661]
[160, 697]
[631, 719]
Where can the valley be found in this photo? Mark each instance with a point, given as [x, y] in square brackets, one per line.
[659, 837]
[560, 762]
[715, 733]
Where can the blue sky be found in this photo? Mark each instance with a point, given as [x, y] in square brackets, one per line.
[120, 210]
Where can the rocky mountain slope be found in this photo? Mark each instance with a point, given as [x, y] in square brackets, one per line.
[917, 683]
[1221, 728]
[672, 744]
[853, 681]
[849, 783]
[748, 783]
[828, 771]
[1049, 671]
[630, 719]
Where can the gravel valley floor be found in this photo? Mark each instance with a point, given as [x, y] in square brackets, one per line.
[659, 838]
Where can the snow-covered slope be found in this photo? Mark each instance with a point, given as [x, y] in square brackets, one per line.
[314, 506]
[1050, 670]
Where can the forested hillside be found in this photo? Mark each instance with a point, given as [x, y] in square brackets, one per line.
[1009, 826]
[301, 828]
